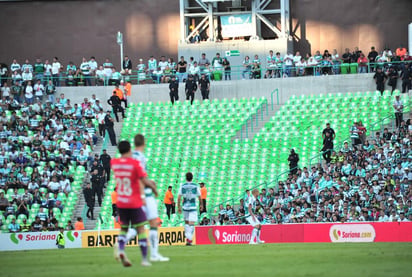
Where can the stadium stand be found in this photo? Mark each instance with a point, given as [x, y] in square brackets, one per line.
[202, 139]
[45, 150]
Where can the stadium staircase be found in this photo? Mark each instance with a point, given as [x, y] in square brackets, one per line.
[256, 122]
[81, 208]
[210, 140]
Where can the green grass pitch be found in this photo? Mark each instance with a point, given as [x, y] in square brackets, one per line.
[311, 259]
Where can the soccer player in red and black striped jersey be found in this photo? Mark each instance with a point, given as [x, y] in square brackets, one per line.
[131, 198]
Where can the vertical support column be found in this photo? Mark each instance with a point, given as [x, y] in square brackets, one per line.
[211, 23]
[283, 16]
[182, 20]
[255, 3]
[410, 37]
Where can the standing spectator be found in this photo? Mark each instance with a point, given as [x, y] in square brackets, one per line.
[27, 66]
[114, 202]
[89, 199]
[15, 66]
[28, 93]
[217, 64]
[55, 70]
[190, 89]
[335, 62]
[293, 160]
[354, 135]
[227, 69]
[288, 62]
[393, 78]
[174, 89]
[93, 66]
[204, 85]
[362, 63]
[203, 61]
[100, 118]
[105, 160]
[109, 126]
[152, 64]
[380, 79]
[107, 67]
[203, 197]
[39, 90]
[398, 107]
[50, 91]
[127, 66]
[372, 58]
[78, 226]
[347, 56]
[182, 69]
[39, 70]
[169, 202]
[85, 68]
[356, 54]
[115, 102]
[247, 68]
[406, 76]
[329, 130]
[362, 132]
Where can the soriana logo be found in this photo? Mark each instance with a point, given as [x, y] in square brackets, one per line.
[352, 233]
[225, 234]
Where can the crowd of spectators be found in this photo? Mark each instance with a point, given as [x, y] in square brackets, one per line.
[41, 144]
[90, 72]
[370, 180]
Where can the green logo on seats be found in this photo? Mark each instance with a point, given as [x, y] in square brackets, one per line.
[16, 238]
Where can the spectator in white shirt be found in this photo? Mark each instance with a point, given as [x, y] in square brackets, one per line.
[39, 90]
[288, 63]
[56, 67]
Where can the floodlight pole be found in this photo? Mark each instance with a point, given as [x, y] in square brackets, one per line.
[120, 42]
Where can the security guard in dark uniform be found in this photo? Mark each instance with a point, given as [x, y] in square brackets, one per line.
[115, 102]
[109, 125]
[88, 197]
[97, 186]
[174, 89]
[105, 160]
[204, 85]
[190, 89]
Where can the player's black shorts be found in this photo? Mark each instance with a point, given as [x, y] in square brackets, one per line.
[133, 217]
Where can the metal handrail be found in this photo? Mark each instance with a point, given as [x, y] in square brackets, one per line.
[237, 72]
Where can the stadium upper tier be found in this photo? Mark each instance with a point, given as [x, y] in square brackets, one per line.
[202, 139]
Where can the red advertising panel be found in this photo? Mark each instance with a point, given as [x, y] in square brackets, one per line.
[320, 232]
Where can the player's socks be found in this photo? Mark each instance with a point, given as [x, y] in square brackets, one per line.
[131, 233]
[192, 231]
[143, 244]
[153, 238]
[254, 233]
[187, 230]
[122, 242]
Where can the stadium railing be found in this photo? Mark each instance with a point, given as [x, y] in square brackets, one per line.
[237, 73]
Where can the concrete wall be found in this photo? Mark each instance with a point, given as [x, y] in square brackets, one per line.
[73, 29]
[238, 89]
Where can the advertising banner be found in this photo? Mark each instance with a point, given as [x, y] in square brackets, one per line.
[321, 232]
[237, 25]
[107, 238]
[38, 240]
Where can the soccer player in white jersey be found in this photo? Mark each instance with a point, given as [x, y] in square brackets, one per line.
[252, 218]
[151, 205]
[189, 192]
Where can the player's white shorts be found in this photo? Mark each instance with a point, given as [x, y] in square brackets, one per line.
[151, 208]
[252, 221]
[190, 216]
